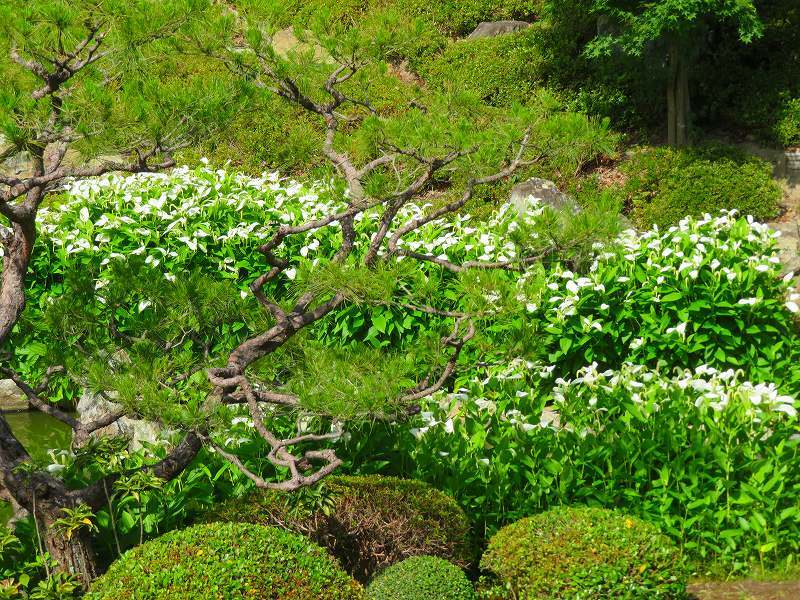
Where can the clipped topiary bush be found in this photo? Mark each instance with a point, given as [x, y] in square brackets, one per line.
[367, 522]
[226, 560]
[574, 552]
[665, 185]
[421, 578]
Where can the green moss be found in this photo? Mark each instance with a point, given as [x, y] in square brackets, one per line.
[460, 17]
[499, 70]
[450, 17]
[269, 135]
[664, 185]
[421, 578]
[367, 522]
[584, 553]
[226, 560]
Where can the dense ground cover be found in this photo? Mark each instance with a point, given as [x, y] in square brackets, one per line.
[652, 372]
[678, 416]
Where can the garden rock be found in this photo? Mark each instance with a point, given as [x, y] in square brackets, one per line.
[495, 28]
[11, 397]
[544, 191]
[92, 407]
[789, 245]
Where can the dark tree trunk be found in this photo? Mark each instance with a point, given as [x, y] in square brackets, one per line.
[74, 555]
[15, 267]
[678, 105]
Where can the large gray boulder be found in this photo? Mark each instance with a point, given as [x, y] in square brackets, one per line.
[545, 192]
[11, 397]
[495, 28]
[92, 407]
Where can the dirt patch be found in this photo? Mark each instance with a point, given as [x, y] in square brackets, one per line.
[746, 590]
[402, 71]
[608, 176]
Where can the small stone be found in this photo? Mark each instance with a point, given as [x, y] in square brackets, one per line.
[11, 397]
[545, 192]
[495, 28]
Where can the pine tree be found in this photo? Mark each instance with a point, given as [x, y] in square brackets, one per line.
[85, 91]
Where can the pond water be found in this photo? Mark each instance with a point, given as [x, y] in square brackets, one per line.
[39, 433]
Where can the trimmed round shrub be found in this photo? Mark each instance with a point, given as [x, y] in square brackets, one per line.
[573, 552]
[665, 185]
[367, 522]
[421, 578]
[226, 560]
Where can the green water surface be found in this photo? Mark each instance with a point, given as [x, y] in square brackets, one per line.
[39, 433]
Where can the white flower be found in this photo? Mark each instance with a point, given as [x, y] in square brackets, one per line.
[749, 301]
[787, 409]
[143, 304]
[679, 329]
[792, 306]
[291, 273]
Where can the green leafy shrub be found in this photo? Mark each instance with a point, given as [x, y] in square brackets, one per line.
[664, 185]
[707, 291]
[499, 70]
[226, 560]
[421, 578]
[460, 17]
[585, 553]
[697, 435]
[367, 522]
[788, 127]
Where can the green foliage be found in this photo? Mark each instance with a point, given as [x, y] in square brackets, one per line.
[26, 576]
[697, 442]
[136, 93]
[788, 128]
[719, 301]
[421, 578]
[367, 522]
[224, 560]
[585, 553]
[460, 17]
[353, 383]
[268, 134]
[664, 185]
[499, 70]
[642, 23]
[451, 17]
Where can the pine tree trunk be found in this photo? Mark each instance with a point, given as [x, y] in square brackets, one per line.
[75, 555]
